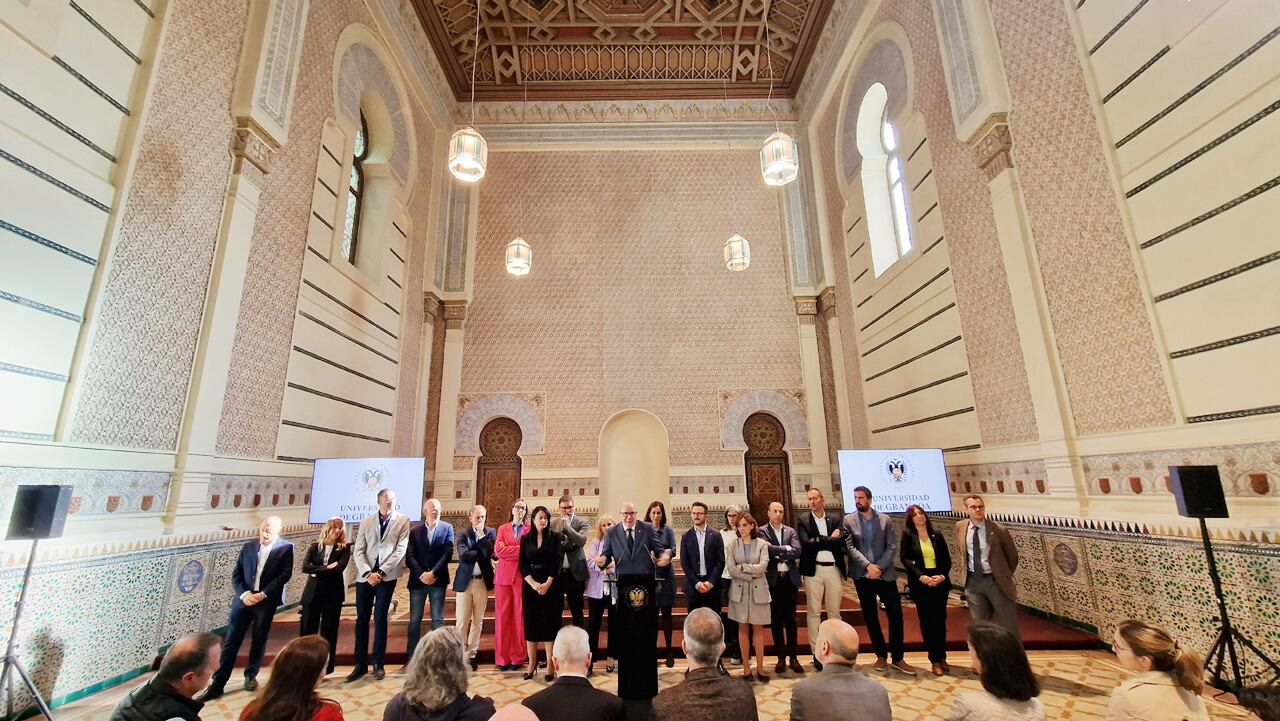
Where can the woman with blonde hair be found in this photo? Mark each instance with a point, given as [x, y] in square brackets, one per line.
[435, 683]
[290, 691]
[600, 591]
[1169, 680]
[325, 565]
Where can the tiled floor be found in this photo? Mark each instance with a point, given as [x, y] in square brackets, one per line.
[1076, 685]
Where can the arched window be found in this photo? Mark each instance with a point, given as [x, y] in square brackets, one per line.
[355, 190]
[897, 191]
[883, 181]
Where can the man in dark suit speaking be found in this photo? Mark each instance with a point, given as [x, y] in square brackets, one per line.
[635, 547]
[262, 570]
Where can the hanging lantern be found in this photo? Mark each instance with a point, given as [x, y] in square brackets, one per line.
[519, 257]
[468, 155]
[779, 159]
[737, 253]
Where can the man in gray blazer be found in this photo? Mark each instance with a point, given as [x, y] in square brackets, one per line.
[840, 692]
[573, 574]
[783, 573]
[379, 552]
[873, 546]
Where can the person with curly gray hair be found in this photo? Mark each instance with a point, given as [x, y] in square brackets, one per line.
[435, 683]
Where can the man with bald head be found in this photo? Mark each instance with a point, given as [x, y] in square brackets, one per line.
[840, 692]
[169, 695]
[783, 574]
[635, 548]
[258, 579]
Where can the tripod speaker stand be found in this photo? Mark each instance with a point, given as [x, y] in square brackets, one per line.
[1198, 492]
[38, 512]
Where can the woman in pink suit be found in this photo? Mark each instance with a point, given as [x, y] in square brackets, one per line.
[509, 649]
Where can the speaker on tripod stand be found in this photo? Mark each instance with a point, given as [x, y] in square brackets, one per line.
[1198, 493]
[39, 512]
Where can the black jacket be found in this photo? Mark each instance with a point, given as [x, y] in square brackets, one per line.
[156, 701]
[462, 708]
[325, 586]
[573, 698]
[913, 559]
[811, 543]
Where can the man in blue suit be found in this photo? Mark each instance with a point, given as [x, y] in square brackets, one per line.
[430, 550]
[474, 579]
[872, 549]
[702, 557]
[634, 546]
[259, 577]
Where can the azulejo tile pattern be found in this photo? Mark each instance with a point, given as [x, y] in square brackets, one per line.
[787, 405]
[629, 304]
[144, 339]
[96, 492]
[89, 620]
[477, 409]
[1104, 339]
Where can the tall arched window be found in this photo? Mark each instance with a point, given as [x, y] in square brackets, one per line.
[897, 191]
[883, 181]
[355, 190]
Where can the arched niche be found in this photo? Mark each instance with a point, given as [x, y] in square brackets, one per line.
[634, 461]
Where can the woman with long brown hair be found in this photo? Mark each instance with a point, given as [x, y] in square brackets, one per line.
[1170, 676]
[749, 598]
[665, 575]
[925, 555]
[290, 692]
[541, 556]
[325, 565]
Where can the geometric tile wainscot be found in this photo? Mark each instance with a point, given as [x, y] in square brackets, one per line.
[90, 623]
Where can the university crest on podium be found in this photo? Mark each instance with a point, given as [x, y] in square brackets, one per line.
[638, 596]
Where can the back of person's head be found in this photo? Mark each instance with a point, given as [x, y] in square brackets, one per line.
[514, 711]
[1182, 664]
[189, 655]
[1005, 671]
[290, 692]
[1262, 700]
[841, 641]
[703, 637]
[572, 649]
[438, 671]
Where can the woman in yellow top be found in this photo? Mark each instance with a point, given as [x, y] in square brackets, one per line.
[928, 563]
[1169, 680]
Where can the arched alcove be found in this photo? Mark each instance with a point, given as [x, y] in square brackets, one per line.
[634, 464]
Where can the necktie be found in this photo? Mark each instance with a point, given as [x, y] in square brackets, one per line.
[631, 539]
[977, 550]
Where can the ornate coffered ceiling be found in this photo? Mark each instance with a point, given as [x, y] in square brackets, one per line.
[591, 49]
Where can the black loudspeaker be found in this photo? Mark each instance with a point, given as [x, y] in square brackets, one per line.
[1198, 491]
[39, 512]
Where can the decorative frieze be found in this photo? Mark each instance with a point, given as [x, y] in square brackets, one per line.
[992, 144]
[455, 313]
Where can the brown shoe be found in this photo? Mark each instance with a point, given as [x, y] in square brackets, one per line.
[904, 667]
[938, 670]
[946, 668]
[882, 664]
[795, 665]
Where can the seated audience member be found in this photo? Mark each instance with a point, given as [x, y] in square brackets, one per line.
[290, 693]
[840, 692]
[514, 711]
[572, 697]
[1009, 687]
[435, 683]
[185, 669]
[1167, 687]
[1262, 700]
[706, 694]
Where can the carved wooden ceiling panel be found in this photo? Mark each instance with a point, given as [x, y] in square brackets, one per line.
[592, 49]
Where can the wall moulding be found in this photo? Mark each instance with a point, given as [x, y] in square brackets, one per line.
[628, 111]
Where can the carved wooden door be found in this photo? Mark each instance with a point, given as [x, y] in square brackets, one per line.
[498, 471]
[768, 473]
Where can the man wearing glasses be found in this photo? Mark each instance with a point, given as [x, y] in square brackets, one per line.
[636, 549]
[573, 572]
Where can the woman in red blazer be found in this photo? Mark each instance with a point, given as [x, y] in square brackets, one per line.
[509, 649]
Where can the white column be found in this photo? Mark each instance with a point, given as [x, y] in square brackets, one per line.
[811, 369]
[187, 508]
[455, 313]
[1067, 492]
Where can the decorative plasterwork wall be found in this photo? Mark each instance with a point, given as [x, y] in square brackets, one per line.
[476, 409]
[628, 111]
[361, 72]
[787, 405]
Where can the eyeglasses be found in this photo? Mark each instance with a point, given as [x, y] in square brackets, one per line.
[628, 513]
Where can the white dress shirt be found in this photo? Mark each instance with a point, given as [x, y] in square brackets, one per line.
[777, 533]
[701, 535]
[820, 520]
[979, 528]
[263, 554]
